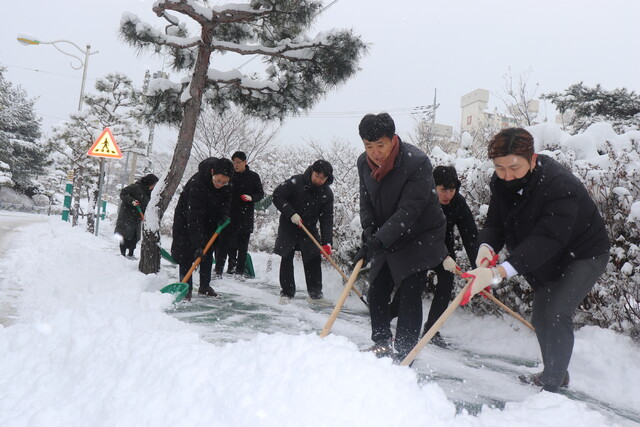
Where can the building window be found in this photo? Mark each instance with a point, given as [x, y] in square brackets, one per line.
[468, 120]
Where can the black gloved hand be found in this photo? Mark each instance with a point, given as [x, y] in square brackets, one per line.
[198, 253]
[367, 233]
[223, 220]
[368, 250]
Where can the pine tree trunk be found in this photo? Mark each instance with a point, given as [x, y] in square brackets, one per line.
[150, 254]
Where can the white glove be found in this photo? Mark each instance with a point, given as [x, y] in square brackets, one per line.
[485, 256]
[295, 218]
[481, 278]
[450, 265]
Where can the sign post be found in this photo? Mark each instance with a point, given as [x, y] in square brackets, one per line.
[68, 191]
[104, 146]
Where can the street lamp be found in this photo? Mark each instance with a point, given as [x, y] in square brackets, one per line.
[28, 40]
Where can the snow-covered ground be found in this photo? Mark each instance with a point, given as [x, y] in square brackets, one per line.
[88, 340]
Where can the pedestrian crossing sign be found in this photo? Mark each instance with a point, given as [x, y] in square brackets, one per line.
[105, 146]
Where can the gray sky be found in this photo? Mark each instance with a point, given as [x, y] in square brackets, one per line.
[416, 47]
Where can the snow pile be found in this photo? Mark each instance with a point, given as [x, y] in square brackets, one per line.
[93, 346]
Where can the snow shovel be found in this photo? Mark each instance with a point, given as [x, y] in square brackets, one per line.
[166, 255]
[248, 267]
[327, 256]
[436, 326]
[341, 300]
[181, 289]
[503, 306]
[140, 212]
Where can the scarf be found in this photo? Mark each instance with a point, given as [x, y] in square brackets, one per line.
[379, 172]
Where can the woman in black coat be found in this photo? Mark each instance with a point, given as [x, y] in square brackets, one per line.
[202, 206]
[555, 238]
[304, 199]
[129, 219]
[404, 230]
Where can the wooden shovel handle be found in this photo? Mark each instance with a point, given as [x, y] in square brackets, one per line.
[503, 306]
[342, 299]
[436, 326]
[344, 276]
[205, 250]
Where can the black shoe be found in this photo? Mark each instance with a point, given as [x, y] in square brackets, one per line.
[382, 348]
[536, 379]
[207, 291]
[217, 275]
[439, 341]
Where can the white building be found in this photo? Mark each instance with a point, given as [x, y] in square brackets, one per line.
[475, 114]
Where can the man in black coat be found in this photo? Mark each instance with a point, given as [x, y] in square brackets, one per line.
[459, 215]
[134, 196]
[246, 190]
[202, 206]
[403, 231]
[304, 199]
[555, 238]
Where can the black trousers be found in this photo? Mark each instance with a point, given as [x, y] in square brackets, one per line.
[238, 252]
[409, 309]
[441, 296]
[312, 275]
[552, 317]
[128, 244]
[204, 267]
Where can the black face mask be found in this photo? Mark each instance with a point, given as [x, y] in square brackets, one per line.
[518, 184]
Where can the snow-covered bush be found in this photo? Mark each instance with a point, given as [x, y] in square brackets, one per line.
[609, 166]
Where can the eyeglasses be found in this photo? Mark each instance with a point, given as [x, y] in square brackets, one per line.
[220, 182]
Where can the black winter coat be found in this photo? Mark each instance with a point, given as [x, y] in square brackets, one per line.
[129, 219]
[314, 204]
[201, 207]
[405, 210]
[553, 222]
[242, 213]
[459, 215]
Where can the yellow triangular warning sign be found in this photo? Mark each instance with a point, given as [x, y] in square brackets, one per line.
[105, 146]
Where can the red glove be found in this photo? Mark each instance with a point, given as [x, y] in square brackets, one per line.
[486, 257]
[327, 249]
[246, 198]
[135, 203]
[481, 278]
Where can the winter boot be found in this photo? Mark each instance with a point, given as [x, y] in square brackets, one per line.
[284, 300]
[207, 291]
[439, 341]
[382, 348]
[536, 379]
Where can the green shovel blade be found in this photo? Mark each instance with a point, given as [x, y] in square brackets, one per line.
[179, 290]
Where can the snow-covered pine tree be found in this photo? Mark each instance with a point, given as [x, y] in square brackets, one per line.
[582, 106]
[22, 155]
[115, 105]
[298, 71]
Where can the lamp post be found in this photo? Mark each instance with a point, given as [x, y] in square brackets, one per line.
[28, 40]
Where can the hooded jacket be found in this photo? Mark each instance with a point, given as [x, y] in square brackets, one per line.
[129, 219]
[201, 207]
[314, 204]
